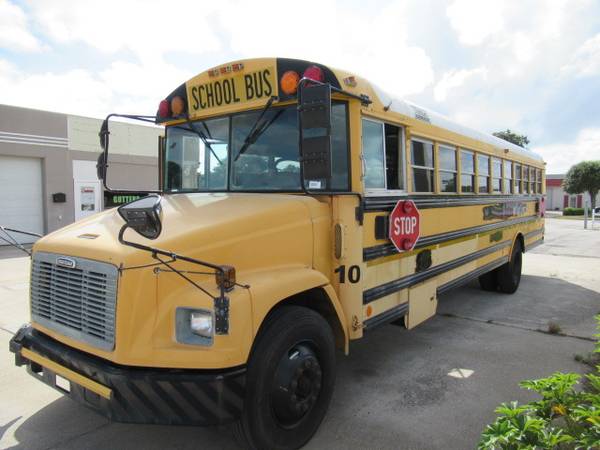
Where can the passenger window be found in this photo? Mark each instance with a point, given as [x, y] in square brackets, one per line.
[447, 166]
[467, 169]
[517, 178]
[422, 165]
[382, 153]
[508, 186]
[496, 175]
[483, 180]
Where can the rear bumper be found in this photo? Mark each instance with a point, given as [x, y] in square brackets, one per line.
[132, 394]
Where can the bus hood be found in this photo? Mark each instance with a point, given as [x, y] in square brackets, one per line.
[248, 231]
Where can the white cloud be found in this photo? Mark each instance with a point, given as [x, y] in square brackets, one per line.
[475, 20]
[148, 28]
[381, 54]
[454, 79]
[143, 28]
[74, 91]
[560, 157]
[586, 61]
[123, 87]
[14, 34]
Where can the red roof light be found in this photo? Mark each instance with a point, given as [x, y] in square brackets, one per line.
[164, 108]
[314, 73]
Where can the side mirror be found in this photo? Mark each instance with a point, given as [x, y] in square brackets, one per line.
[143, 215]
[315, 135]
[136, 139]
[102, 164]
[103, 134]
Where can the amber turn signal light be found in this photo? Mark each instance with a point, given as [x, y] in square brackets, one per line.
[289, 82]
[177, 105]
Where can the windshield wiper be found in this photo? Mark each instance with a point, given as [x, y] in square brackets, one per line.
[256, 131]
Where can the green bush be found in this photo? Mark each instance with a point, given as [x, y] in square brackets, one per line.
[566, 417]
[573, 212]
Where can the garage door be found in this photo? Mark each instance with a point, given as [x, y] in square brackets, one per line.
[21, 200]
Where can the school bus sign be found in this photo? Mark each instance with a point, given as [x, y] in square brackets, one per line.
[229, 86]
[405, 225]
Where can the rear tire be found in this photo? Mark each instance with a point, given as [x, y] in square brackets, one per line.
[489, 281]
[509, 275]
[290, 380]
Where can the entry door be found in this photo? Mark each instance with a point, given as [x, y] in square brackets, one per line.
[88, 198]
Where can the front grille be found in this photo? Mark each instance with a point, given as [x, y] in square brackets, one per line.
[76, 297]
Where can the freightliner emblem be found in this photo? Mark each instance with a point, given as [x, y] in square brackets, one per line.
[65, 262]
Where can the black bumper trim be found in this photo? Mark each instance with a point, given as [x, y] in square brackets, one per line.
[140, 395]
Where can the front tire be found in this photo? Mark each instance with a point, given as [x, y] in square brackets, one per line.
[509, 275]
[290, 380]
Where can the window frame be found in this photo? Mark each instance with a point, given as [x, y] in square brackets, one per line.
[432, 168]
[401, 157]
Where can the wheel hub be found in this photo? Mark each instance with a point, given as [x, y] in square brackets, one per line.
[297, 385]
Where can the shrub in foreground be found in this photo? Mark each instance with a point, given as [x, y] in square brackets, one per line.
[567, 416]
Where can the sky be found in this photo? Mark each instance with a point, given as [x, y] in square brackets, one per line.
[529, 65]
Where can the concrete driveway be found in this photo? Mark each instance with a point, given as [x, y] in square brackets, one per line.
[435, 387]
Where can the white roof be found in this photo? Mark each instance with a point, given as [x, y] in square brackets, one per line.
[411, 110]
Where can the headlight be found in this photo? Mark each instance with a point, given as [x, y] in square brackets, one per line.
[201, 323]
[194, 326]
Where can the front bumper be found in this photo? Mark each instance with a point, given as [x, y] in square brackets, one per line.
[132, 394]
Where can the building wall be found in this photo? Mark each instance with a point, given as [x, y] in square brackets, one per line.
[40, 134]
[60, 141]
[557, 198]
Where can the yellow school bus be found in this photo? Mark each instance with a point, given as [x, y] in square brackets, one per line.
[299, 208]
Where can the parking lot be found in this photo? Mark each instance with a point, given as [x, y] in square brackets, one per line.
[431, 388]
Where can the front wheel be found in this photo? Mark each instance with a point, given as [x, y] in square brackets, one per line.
[509, 275]
[290, 380]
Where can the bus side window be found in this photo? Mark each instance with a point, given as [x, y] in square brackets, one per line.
[382, 153]
[373, 149]
[423, 167]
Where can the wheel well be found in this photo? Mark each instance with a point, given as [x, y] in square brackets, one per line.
[521, 240]
[317, 300]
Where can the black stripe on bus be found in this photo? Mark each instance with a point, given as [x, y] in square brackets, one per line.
[537, 242]
[463, 279]
[534, 244]
[379, 251]
[377, 292]
[533, 233]
[425, 202]
[386, 317]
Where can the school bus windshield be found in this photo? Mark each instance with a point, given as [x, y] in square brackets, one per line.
[247, 152]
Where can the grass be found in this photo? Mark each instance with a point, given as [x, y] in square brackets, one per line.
[554, 328]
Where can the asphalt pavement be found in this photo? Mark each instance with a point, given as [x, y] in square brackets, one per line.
[435, 387]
